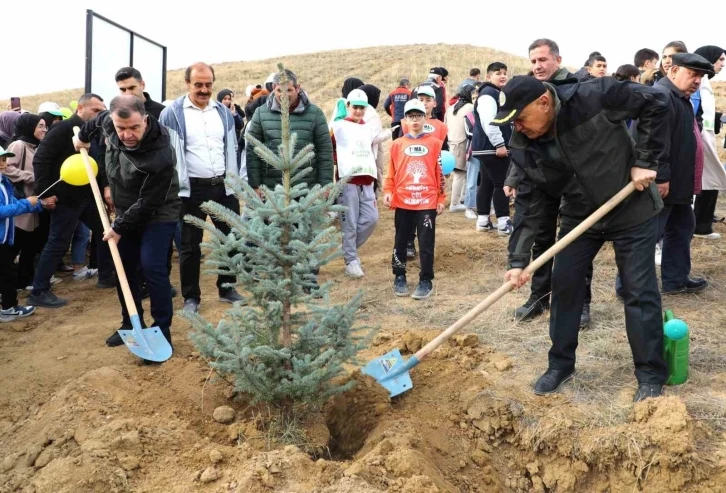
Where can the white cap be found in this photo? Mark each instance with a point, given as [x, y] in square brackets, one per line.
[50, 107]
[356, 97]
[248, 90]
[426, 91]
[271, 78]
[414, 105]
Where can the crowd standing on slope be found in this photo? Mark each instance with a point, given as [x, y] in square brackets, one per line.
[556, 144]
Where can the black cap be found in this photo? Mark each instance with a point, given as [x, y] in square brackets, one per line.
[437, 71]
[693, 61]
[444, 72]
[518, 93]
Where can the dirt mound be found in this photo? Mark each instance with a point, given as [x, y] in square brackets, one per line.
[129, 428]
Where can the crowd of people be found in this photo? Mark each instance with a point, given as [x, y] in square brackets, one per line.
[556, 144]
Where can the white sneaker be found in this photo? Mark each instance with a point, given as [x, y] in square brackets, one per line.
[484, 224]
[84, 274]
[457, 208]
[711, 236]
[353, 270]
[658, 253]
[470, 214]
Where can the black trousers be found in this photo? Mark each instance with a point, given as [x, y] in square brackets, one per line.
[704, 208]
[28, 244]
[407, 221]
[493, 172]
[643, 317]
[9, 276]
[398, 132]
[544, 239]
[191, 237]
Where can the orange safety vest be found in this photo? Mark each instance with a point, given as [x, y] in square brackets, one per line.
[431, 126]
[414, 176]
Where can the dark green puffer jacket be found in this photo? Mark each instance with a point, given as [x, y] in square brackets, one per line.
[311, 127]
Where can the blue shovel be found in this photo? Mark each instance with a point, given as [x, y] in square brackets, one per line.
[391, 370]
[149, 344]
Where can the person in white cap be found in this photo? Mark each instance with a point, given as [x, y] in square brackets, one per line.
[353, 155]
[50, 112]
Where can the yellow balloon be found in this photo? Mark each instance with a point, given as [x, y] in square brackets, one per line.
[73, 171]
[74, 105]
[67, 113]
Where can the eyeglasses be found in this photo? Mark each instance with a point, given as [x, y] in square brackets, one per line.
[415, 116]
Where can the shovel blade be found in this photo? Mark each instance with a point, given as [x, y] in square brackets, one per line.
[390, 363]
[157, 348]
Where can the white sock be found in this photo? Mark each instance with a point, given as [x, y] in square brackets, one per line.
[483, 220]
[502, 222]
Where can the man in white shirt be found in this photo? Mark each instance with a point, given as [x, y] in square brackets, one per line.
[203, 135]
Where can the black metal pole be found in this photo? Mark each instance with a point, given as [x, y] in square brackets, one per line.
[89, 49]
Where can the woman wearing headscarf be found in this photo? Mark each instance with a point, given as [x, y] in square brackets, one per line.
[7, 126]
[226, 97]
[455, 119]
[29, 130]
[714, 176]
[373, 119]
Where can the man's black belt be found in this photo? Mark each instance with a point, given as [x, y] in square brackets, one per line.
[215, 180]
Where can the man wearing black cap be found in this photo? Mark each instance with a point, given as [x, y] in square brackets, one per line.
[680, 174]
[577, 131]
[435, 80]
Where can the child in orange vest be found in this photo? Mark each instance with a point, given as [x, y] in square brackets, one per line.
[414, 187]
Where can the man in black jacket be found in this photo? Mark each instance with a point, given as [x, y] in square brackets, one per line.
[141, 173]
[74, 203]
[576, 131]
[129, 81]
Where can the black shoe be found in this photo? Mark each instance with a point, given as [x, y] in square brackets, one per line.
[585, 317]
[551, 381]
[400, 286]
[532, 308]
[144, 291]
[423, 290]
[691, 286]
[46, 299]
[411, 250]
[230, 295]
[647, 390]
[173, 292]
[190, 305]
[109, 283]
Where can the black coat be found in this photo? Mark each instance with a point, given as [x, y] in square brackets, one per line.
[677, 164]
[589, 157]
[152, 107]
[53, 150]
[144, 181]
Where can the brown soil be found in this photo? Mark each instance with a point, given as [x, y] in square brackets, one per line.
[76, 416]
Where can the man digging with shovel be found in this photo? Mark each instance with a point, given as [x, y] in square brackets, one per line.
[577, 130]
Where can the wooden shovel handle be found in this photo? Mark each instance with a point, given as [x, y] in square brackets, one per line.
[532, 267]
[120, 273]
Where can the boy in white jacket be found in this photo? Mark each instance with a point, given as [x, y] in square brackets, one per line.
[354, 142]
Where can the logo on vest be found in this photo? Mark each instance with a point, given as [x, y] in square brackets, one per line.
[361, 149]
[502, 98]
[428, 128]
[417, 170]
[416, 150]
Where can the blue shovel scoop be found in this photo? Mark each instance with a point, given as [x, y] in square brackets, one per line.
[149, 344]
[391, 370]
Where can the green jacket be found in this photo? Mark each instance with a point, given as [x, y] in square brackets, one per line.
[311, 127]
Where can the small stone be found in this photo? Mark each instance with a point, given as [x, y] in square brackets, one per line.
[44, 458]
[479, 458]
[224, 415]
[533, 468]
[503, 365]
[129, 463]
[8, 463]
[467, 340]
[215, 456]
[463, 425]
[462, 464]
[60, 358]
[453, 418]
[274, 469]
[412, 342]
[233, 433]
[31, 454]
[210, 474]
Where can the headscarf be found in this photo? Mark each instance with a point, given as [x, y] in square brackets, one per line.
[224, 92]
[7, 124]
[711, 53]
[25, 128]
[373, 93]
[464, 98]
[349, 84]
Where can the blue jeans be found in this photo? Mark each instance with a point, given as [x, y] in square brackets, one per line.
[81, 237]
[63, 220]
[148, 248]
[472, 177]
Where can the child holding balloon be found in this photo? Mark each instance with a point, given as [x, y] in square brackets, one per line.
[414, 187]
[9, 208]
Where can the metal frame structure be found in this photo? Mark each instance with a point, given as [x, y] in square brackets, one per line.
[90, 14]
